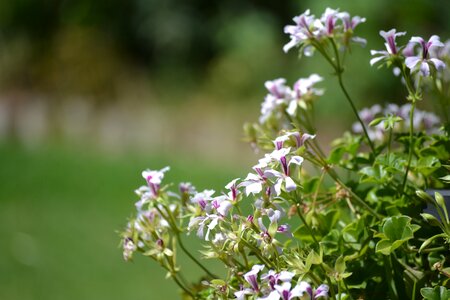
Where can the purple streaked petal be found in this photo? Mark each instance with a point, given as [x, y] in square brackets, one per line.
[305, 287]
[322, 291]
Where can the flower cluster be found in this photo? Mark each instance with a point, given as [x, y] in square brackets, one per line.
[309, 32]
[282, 98]
[422, 120]
[276, 286]
[425, 60]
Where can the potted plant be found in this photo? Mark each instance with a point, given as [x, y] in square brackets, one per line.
[353, 225]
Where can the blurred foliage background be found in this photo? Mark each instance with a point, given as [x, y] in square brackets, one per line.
[92, 92]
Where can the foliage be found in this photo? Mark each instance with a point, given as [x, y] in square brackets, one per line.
[353, 219]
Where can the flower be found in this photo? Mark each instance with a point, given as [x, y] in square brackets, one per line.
[279, 93]
[281, 156]
[154, 179]
[390, 44]
[252, 277]
[274, 278]
[203, 199]
[321, 291]
[423, 60]
[305, 28]
[303, 92]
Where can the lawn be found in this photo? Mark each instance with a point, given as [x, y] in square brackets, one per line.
[60, 211]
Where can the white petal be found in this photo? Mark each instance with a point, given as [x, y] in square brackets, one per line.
[425, 69]
[412, 61]
[254, 188]
[298, 160]
[290, 184]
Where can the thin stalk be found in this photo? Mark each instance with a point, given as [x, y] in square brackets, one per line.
[306, 224]
[193, 258]
[339, 72]
[411, 129]
[334, 176]
[256, 251]
[182, 287]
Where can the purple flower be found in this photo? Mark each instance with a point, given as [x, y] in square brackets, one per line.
[350, 23]
[303, 92]
[305, 28]
[233, 189]
[154, 179]
[203, 199]
[273, 278]
[252, 277]
[321, 291]
[423, 60]
[281, 156]
[390, 44]
[329, 18]
[279, 93]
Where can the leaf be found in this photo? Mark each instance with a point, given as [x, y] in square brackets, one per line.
[436, 293]
[396, 230]
[384, 247]
[427, 165]
[445, 178]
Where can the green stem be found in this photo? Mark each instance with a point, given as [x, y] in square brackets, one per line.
[193, 258]
[256, 251]
[411, 129]
[339, 72]
[182, 287]
[297, 205]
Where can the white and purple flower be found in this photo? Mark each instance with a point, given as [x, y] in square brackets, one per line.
[423, 61]
[391, 46]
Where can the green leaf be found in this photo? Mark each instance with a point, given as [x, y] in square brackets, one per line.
[427, 165]
[445, 178]
[384, 247]
[396, 230]
[436, 293]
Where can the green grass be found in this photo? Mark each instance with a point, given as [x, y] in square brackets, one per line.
[60, 210]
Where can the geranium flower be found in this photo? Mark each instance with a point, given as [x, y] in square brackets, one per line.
[154, 179]
[305, 28]
[321, 291]
[423, 60]
[279, 93]
[303, 92]
[273, 278]
[390, 44]
[252, 277]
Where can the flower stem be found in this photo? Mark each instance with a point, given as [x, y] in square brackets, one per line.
[411, 128]
[182, 287]
[339, 72]
[193, 258]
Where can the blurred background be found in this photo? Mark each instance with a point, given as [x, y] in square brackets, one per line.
[93, 92]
